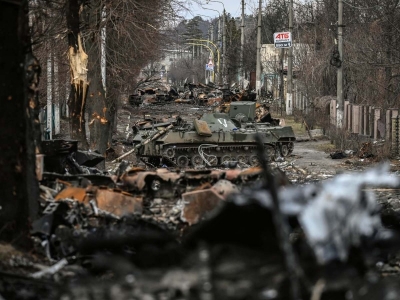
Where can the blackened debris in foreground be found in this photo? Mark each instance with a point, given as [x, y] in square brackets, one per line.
[206, 234]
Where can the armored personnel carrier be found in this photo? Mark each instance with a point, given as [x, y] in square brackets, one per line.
[214, 139]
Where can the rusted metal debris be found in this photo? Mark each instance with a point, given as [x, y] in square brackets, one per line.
[190, 93]
[155, 94]
[169, 184]
[333, 225]
[114, 201]
[198, 203]
[209, 234]
[130, 190]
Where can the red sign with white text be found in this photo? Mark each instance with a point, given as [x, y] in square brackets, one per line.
[283, 39]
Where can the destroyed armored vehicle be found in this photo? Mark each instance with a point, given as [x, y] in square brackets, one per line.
[155, 96]
[214, 139]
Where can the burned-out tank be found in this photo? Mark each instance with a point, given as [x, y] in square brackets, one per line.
[214, 139]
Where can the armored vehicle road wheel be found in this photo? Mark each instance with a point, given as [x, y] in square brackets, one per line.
[242, 159]
[225, 159]
[213, 160]
[197, 161]
[182, 161]
[284, 150]
[170, 153]
[254, 161]
[271, 152]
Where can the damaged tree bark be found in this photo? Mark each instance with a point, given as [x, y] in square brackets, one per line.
[18, 82]
[99, 125]
[78, 61]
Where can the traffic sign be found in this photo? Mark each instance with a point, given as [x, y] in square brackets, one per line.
[210, 66]
[283, 39]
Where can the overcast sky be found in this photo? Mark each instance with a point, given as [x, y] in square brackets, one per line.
[232, 6]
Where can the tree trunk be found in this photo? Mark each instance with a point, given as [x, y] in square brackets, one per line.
[78, 61]
[18, 83]
[99, 111]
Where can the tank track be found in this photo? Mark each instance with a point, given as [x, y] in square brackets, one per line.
[185, 156]
[214, 156]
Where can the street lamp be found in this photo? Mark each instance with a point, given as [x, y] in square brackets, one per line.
[219, 15]
[210, 30]
[223, 41]
[211, 53]
[208, 1]
[216, 48]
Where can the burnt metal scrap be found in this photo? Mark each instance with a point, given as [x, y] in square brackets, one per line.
[335, 232]
[169, 184]
[64, 157]
[210, 95]
[335, 216]
[156, 93]
[233, 251]
[207, 234]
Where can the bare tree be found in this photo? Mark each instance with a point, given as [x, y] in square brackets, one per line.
[128, 35]
[371, 59]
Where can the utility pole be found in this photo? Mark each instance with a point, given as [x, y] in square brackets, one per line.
[220, 45]
[224, 48]
[340, 100]
[281, 55]
[289, 94]
[258, 69]
[241, 71]
[223, 41]
[49, 121]
[212, 74]
[192, 63]
[212, 32]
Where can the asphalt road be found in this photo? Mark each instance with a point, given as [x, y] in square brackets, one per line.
[309, 155]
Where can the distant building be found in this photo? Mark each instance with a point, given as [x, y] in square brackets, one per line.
[272, 68]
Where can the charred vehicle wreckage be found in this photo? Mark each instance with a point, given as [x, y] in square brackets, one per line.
[190, 93]
[152, 96]
[205, 234]
[212, 140]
